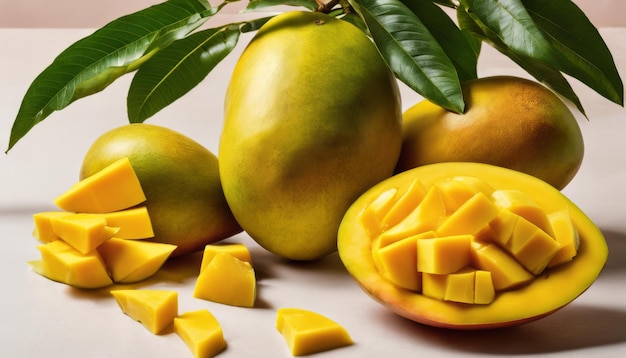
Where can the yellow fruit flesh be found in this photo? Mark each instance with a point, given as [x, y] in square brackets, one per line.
[201, 332]
[239, 251]
[155, 309]
[513, 285]
[43, 225]
[84, 232]
[307, 332]
[132, 260]
[133, 223]
[113, 188]
[227, 280]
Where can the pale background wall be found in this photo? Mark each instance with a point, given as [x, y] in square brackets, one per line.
[92, 13]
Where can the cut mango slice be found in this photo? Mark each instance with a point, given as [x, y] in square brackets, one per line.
[62, 263]
[397, 262]
[227, 280]
[518, 202]
[132, 260]
[84, 232]
[116, 187]
[468, 285]
[201, 332]
[404, 205]
[133, 223]
[443, 255]
[155, 309]
[456, 191]
[307, 332]
[470, 218]
[532, 246]
[506, 272]
[566, 235]
[239, 251]
[43, 225]
[373, 215]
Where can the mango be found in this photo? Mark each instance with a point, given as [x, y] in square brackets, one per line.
[511, 240]
[301, 140]
[43, 225]
[133, 223]
[307, 332]
[133, 261]
[228, 280]
[201, 332]
[62, 263]
[111, 188]
[84, 232]
[155, 309]
[180, 180]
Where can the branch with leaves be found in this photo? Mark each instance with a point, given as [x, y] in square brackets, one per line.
[428, 51]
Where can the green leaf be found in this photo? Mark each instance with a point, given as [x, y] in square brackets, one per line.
[92, 63]
[180, 67]
[581, 51]
[513, 25]
[454, 43]
[255, 5]
[540, 71]
[411, 51]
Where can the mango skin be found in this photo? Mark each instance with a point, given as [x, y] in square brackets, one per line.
[552, 290]
[312, 119]
[180, 179]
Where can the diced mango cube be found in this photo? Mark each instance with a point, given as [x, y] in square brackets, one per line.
[201, 332]
[470, 218]
[307, 332]
[501, 227]
[523, 205]
[565, 234]
[227, 280]
[506, 272]
[155, 309]
[84, 232]
[397, 262]
[434, 286]
[443, 255]
[239, 251]
[425, 217]
[373, 214]
[531, 246]
[133, 260]
[62, 263]
[457, 190]
[413, 195]
[133, 223]
[116, 187]
[43, 225]
[484, 292]
[460, 286]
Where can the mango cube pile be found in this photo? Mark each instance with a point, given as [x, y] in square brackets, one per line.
[461, 240]
[95, 240]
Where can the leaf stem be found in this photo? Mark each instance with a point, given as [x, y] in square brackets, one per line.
[326, 7]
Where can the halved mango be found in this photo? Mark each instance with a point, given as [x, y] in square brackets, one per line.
[307, 332]
[201, 332]
[514, 285]
[155, 309]
[116, 187]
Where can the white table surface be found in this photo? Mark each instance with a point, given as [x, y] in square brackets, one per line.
[44, 318]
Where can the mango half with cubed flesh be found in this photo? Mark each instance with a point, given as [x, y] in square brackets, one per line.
[469, 246]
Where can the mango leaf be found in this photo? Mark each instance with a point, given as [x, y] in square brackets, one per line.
[540, 71]
[94, 62]
[411, 51]
[255, 5]
[453, 42]
[178, 68]
[581, 51]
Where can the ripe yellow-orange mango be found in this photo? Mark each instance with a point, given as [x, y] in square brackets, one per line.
[155, 309]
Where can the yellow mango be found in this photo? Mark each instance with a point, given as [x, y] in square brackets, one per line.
[443, 255]
[457, 190]
[201, 332]
[397, 262]
[155, 309]
[307, 332]
[239, 251]
[84, 232]
[460, 286]
[374, 213]
[531, 246]
[116, 187]
[132, 260]
[62, 263]
[434, 285]
[470, 218]
[565, 234]
[520, 203]
[426, 216]
[501, 227]
[227, 280]
[484, 292]
[506, 272]
[43, 225]
[133, 223]
[413, 195]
